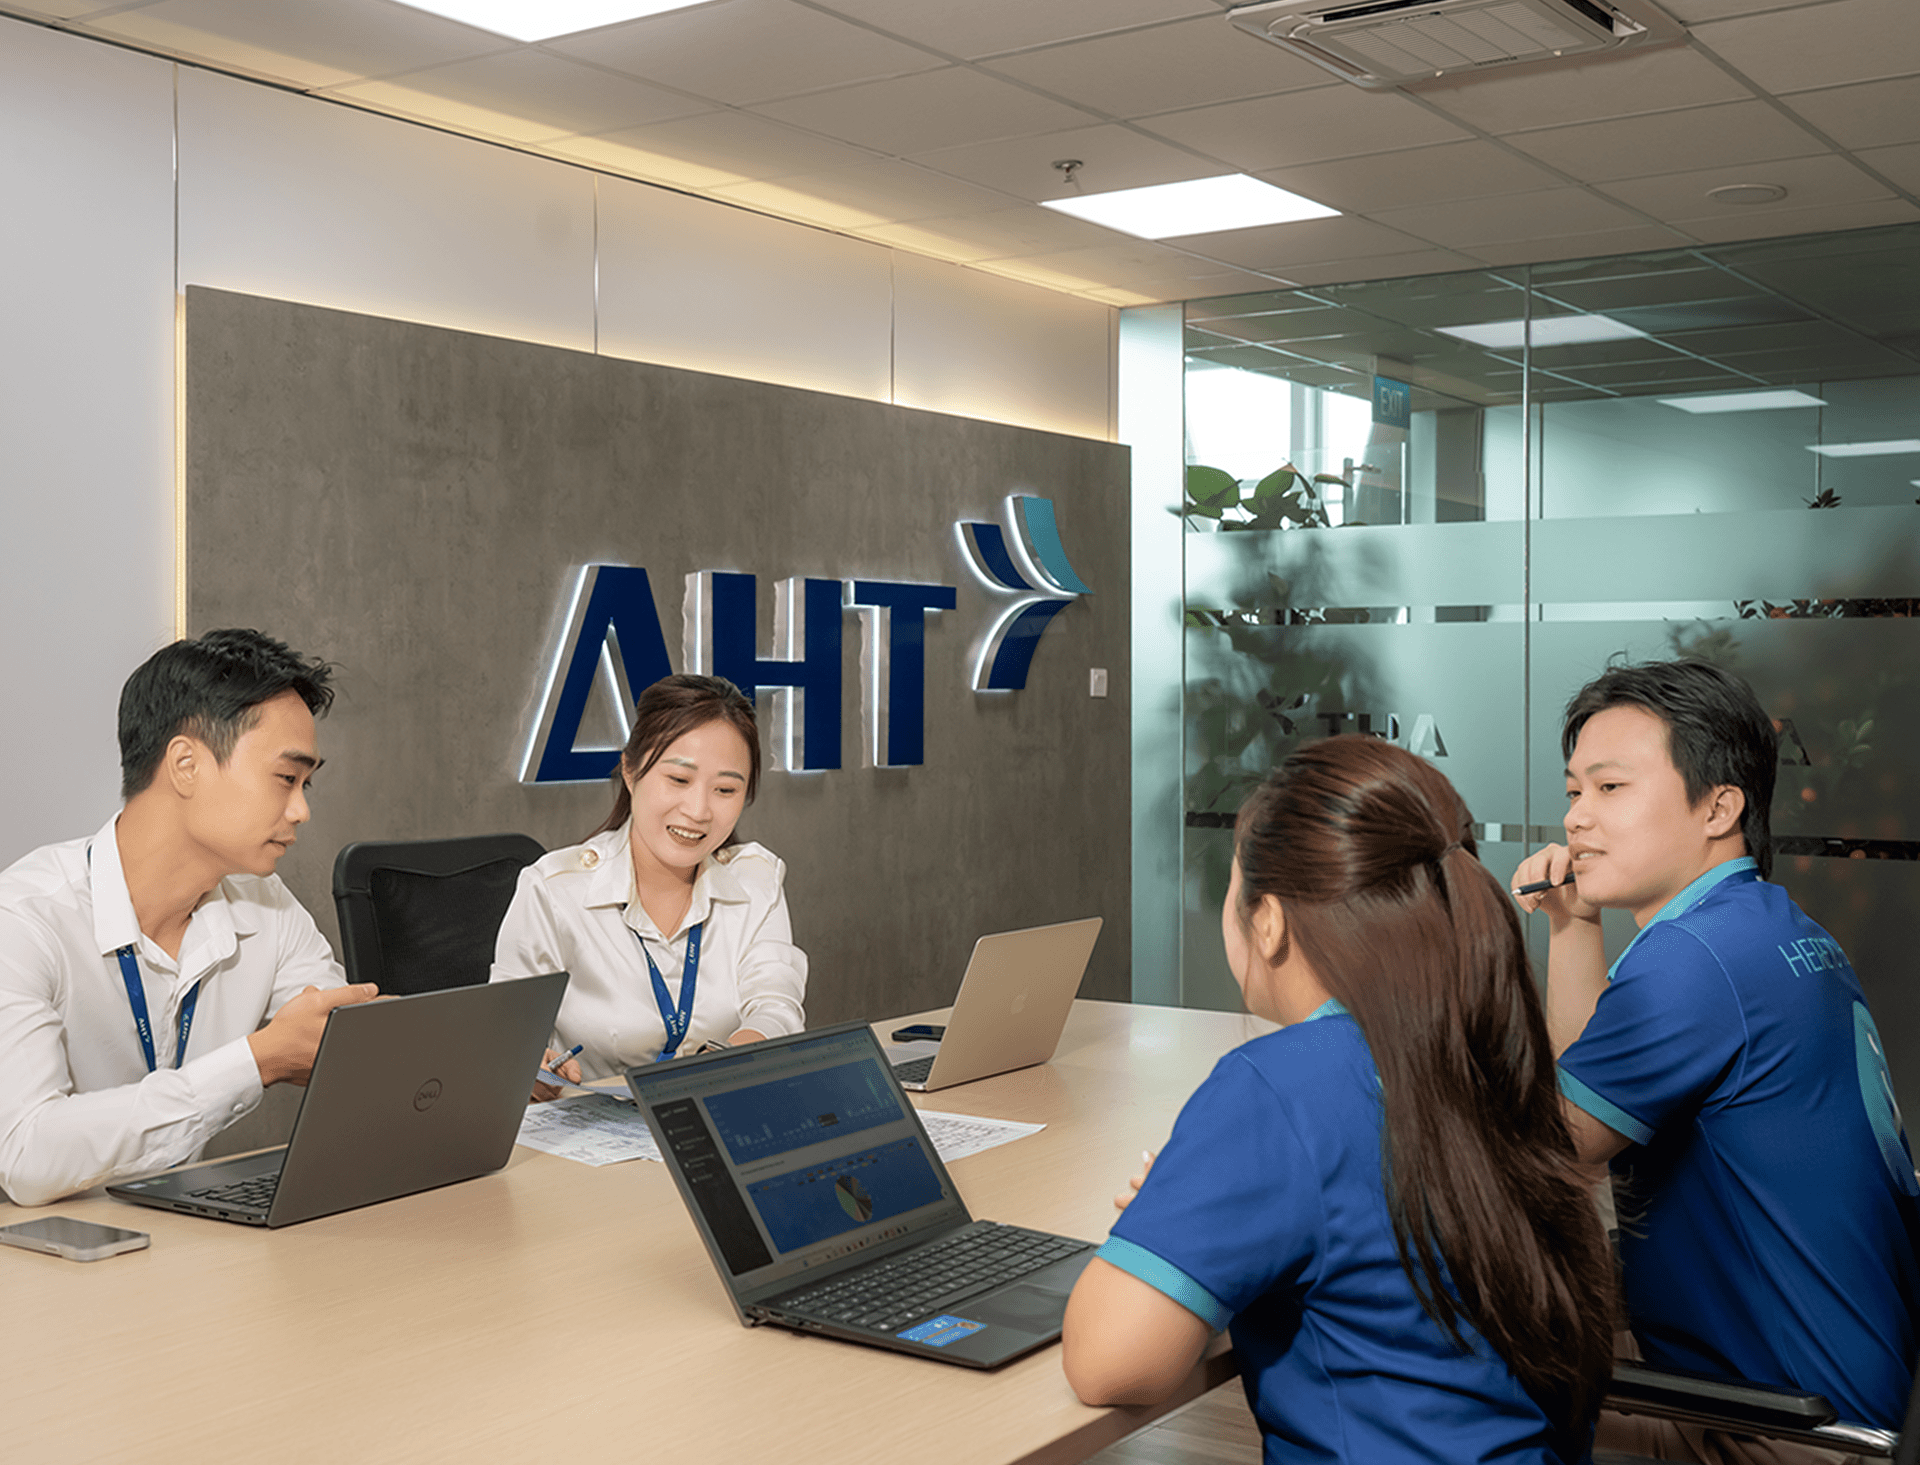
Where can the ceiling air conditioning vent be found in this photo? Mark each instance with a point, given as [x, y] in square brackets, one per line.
[1383, 43]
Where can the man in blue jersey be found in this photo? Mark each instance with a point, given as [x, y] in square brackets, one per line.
[1726, 1063]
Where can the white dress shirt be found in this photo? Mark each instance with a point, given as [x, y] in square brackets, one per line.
[77, 1104]
[574, 911]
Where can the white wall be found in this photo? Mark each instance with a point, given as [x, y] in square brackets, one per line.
[282, 195]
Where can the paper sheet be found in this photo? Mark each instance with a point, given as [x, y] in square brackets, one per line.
[597, 1129]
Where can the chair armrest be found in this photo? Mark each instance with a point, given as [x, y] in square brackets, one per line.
[1750, 1408]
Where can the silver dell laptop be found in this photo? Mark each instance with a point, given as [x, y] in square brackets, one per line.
[825, 1208]
[1012, 1006]
[407, 1093]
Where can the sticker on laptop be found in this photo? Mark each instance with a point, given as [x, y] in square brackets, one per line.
[940, 1331]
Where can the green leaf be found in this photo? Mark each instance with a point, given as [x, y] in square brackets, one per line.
[1211, 487]
[1277, 482]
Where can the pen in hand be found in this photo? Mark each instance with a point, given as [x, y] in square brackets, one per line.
[1536, 887]
[552, 1070]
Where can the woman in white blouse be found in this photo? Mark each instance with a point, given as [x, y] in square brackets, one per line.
[676, 936]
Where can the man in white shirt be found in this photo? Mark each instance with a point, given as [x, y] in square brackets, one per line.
[137, 968]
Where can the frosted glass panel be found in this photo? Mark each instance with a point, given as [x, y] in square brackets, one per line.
[1732, 473]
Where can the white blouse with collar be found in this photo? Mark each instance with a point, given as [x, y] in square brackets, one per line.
[574, 911]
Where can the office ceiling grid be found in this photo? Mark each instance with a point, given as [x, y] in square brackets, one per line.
[1780, 313]
[933, 127]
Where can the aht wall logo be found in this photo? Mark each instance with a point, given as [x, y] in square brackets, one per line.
[613, 634]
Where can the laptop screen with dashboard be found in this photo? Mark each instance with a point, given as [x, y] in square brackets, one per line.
[795, 1155]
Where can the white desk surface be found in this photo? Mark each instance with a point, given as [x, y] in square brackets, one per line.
[558, 1311]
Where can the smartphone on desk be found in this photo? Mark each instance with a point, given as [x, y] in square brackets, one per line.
[77, 1241]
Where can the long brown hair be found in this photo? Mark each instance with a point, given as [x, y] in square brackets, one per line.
[1371, 854]
[668, 710]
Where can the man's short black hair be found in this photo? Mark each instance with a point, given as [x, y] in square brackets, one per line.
[1716, 733]
[209, 689]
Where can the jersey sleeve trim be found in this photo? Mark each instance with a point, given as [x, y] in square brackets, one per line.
[1609, 1114]
[1164, 1277]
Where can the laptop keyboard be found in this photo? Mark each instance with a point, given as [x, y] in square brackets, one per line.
[914, 1070]
[255, 1193]
[890, 1294]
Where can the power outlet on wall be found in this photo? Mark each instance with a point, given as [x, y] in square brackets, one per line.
[1097, 681]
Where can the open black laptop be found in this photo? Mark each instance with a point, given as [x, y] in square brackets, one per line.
[826, 1209]
[407, 1093]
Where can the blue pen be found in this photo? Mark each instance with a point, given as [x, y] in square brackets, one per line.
[549, 1071]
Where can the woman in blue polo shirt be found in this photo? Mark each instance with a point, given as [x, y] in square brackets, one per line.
[1381, 1200]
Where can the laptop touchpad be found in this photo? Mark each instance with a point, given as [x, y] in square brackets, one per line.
[1035, 1309]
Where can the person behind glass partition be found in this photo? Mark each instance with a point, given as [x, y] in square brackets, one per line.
[676, 934]
[1726, 1064]
[1381, 1200]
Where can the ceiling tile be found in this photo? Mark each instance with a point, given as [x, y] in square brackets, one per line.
[1001, 234]
[742, 51]
[1452, 170]
[1584, 91]
[1866, 115]
[732, 147]
[1820, 45]
[1901, 164]
[297, 42]
[916, 114]
[1381, 267]
[523, 95]
[57, 9]
[1310, 240]
[1692, 12]
[1338, 121]
[1579, 245]
[1112, 157]
[1808, 181]
[877, 192]
[992, 27]
[1166, 67]
[1701, 137]
[1129, 262]
[1511, 218]
[1863, 215]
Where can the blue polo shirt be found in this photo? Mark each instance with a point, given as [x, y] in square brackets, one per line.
[1267, 1212]
[1769, 1227]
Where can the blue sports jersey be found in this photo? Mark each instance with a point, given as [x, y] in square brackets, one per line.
[1267, 1210]
[1769, 1227]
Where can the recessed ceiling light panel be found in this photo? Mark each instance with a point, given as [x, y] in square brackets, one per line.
[1552, 330]
[542, 20]
[1763, 401]
[1887, 449]
[1198, 206]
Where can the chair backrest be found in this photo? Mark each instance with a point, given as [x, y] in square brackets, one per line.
[422, 915]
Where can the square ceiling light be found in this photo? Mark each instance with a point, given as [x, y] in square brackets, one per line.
[1757, 401]
[1549, 330]
[542, 20]
[1198, 206]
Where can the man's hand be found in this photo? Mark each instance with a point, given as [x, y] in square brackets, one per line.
[283, 1050]
[1562, 903]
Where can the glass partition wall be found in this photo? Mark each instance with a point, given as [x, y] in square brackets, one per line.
[1429, 509]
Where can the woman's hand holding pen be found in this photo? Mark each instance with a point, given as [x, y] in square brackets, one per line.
[1125, 1198]
[562, 1065]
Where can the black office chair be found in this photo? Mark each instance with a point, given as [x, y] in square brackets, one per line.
[421, 915]
[1754, 1409]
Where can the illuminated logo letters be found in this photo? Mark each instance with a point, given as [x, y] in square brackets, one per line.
[612, 638]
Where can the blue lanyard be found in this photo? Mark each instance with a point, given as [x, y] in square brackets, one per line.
[679, 1019]
[137, 1000]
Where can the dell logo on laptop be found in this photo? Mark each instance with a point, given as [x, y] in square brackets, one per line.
[424, 1096]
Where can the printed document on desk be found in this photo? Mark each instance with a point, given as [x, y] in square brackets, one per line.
[596, 1129]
